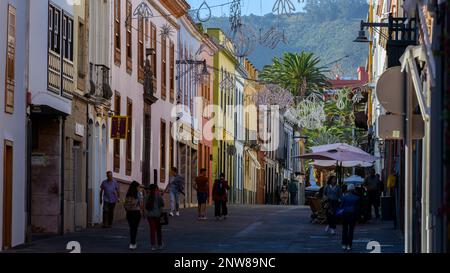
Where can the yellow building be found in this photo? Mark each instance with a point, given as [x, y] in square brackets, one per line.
[252, 167]
[224, 96]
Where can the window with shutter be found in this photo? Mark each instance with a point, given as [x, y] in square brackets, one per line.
[172, 72]
[140, 50]
[10, 61]
[82, 57]
[117, 32]
[154, 56]
[128, 166]
[163, 67]
[129, 38]
[117, 141]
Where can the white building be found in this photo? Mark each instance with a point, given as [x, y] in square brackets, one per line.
[190, 69]
[13, 123]
[239, 132]
[147, 152]
[98, 125]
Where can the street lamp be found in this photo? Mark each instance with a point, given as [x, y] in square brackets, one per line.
[362, 38]
[195, 63]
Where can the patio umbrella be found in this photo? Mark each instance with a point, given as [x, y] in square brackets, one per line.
[346, 164]
[339, 155]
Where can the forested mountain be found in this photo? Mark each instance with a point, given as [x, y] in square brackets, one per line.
[325, 27]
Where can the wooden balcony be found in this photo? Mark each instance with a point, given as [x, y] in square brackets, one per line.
[54, 72]
[68, 78]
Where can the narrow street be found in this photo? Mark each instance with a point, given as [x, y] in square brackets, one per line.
[249, 229]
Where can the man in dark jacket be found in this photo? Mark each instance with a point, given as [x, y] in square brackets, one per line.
[372, 184]
[350, 203]
[293, 192]
[220, 197]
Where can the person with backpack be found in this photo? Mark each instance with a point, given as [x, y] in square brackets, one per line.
[134, 205]
[220, 197]
[176, 186]
[350, 212]
[153, 205]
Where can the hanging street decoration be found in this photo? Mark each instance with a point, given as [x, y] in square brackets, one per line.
[310, 113]
[204, 12]
[244, 40]
[283, 7]
[273, 94]
[166, 31]
[341, 98]
[143, 11]
[272, 38]
[235, 15]
[226, 83]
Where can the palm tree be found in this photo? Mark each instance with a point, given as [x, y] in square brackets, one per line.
[298, 73]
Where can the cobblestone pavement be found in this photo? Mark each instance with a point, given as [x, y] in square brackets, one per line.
[249, 229]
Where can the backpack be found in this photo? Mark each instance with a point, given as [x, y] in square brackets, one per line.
[221, 188]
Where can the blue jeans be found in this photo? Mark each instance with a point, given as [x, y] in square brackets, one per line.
[174, 201]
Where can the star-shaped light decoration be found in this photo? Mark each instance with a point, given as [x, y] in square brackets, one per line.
[166, 31]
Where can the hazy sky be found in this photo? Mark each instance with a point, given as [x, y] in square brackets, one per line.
[257, 7]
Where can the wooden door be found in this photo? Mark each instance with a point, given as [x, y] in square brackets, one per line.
[7, 195]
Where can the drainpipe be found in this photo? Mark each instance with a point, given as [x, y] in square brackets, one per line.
[87, 155]
[408, 221]
[28, 232]
[62, 124]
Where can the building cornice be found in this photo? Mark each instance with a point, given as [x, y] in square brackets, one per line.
[166, 15]
[177, 8]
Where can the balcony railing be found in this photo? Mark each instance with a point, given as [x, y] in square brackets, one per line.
[54, 71]
[100, 81]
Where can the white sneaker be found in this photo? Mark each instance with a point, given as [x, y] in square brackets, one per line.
[327, 229]
[153, 248]
[333, 232]
[131, 247]
[344, 247]
[177, 213]
[171, 213]
[349, 248]
[135, 247]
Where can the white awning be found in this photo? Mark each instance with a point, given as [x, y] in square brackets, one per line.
[253, 156]
[408, 61]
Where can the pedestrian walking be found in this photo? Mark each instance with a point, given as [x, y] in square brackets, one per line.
[293, 192]
[332, 194]
[202, 187]
[350, 214]
[176, 186]
[134, 205]
[220, 196]
[284, 195]
[109, 196]
[154, 205]
[373, 185]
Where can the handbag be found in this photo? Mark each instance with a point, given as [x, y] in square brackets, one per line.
[164, 219]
